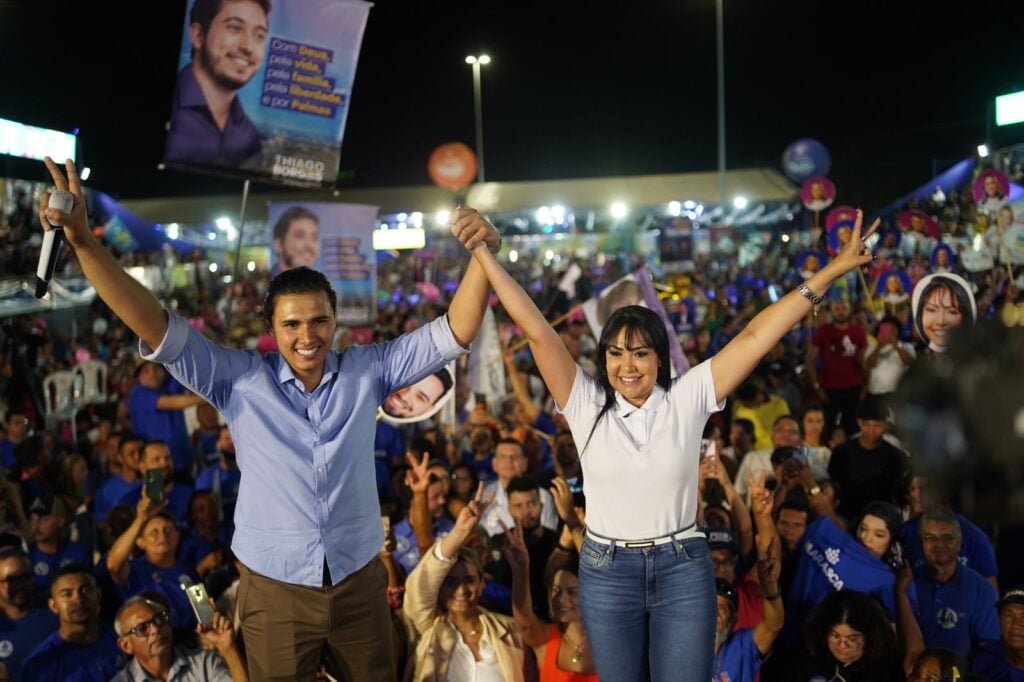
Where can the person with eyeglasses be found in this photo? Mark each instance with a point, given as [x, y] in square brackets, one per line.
[23, 625]
[144, 634]
[956, 605]
[849, 639]
[83, 649]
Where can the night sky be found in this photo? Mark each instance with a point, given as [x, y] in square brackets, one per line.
[575, 89]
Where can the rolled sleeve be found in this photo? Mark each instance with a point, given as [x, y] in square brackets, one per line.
[172, 344]
[444, 340]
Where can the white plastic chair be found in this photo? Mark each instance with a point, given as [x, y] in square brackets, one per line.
[94, 381]
[62, 392]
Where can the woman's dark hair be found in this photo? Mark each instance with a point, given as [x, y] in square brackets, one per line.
[643, 325]
[892, 517]
[571, 565]
[862, 613]
[300, 280]
[951, 666]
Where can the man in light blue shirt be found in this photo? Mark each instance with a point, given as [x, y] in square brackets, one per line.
[303, 421]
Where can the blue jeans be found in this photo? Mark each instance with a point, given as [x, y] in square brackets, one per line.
[649, 612]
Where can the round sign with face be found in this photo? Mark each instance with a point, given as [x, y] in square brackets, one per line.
[840, 214]
[421, 400]
[818, 193]
[941, 303]
[918, 222]
[991, 190]
[452, 166]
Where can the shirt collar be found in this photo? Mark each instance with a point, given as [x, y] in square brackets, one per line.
[624, 408]
[190, 94]
[285, 373]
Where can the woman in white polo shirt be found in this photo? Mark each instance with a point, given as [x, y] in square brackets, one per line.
[646, 588]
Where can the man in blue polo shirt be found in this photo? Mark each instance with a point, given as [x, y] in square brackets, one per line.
[117, 485]
[208, 124]
[956, 606]
[22, 625]
[49, 551]
[303, 420]
[223, 477]
[156, 456]
[82, 649]
[1004, 661]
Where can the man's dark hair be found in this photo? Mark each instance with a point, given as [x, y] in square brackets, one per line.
[129, 437]
[205, 11]
[71, 569]
[29, 452]
[159, 515]
[872, 409]
[523, 484]
[284, 223]
[786, 417]
[155, 441]
[300, 280]
[15, 553]
[782, 454]
[746, 425]
[795, 504]
[13, 410]
[511, 441]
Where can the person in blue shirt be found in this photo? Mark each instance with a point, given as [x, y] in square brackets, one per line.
[956, 606]
[429, 492]
[303, 420]
[206, 435]
[118, 484]
[976, 550]
[156, 455]
[16, 428]
[22, 624]
[223, 477]
[82, 649]
[206, 544]
[157, 405]
[157, 535]
[208, 124]
[48, 551]
[1004, 661]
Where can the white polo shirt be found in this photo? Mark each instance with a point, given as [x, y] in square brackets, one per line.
[640, 467]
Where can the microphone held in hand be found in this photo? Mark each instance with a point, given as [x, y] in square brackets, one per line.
[52, 241]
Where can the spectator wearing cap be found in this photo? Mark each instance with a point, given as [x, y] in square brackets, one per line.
[22, 625]
[157, 405]
[126, 478]
[49, 551]
[82, 649]
[157, 455]
[16, 429]
[425, 522]
[955, 605]
[725, 562]
[1005, 660]
[157, 535]
[144, 634]
[868, 468]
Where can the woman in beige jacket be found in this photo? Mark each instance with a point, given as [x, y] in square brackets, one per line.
[459, 640]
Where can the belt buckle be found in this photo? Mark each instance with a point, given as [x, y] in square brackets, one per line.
[636, 545]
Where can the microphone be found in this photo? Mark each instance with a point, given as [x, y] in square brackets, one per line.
[52, 241]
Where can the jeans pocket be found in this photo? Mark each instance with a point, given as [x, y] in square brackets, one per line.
[593, 556]
[694, 548]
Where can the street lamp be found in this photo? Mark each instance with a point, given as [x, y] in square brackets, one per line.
[476, 62]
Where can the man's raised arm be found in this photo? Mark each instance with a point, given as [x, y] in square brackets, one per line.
[130, 301]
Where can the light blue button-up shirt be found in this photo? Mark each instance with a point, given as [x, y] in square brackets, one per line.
[308, 485]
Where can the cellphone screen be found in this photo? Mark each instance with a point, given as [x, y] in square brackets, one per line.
[155, 485]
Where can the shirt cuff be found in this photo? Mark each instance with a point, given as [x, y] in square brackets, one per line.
[438, 555]
[444, 340]
[171, 345]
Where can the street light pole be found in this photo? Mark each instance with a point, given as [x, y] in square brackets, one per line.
[476, 63]
[720, 43]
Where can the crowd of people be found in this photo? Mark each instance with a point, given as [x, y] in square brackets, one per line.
[828, 557]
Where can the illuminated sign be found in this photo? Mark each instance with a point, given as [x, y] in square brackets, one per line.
[30, 142]
[410, 238]
[1010, 109]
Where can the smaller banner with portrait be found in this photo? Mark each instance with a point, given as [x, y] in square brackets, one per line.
[336, 239]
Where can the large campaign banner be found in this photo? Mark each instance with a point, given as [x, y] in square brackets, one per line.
[336, 239]
[264, 87]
